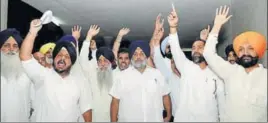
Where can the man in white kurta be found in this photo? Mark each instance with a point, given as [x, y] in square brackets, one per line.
[140, 96]
[172, 78]
[245, 82]
[60, 96]
[100, 77]
[201, 92]
[15, 87]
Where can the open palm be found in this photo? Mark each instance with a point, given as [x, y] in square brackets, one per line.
[93, 30]
[76, 32]
[124, 31]
[222, 15]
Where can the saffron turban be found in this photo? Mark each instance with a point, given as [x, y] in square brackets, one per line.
[255, 39]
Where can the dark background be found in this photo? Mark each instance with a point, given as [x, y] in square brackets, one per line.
[20, 15]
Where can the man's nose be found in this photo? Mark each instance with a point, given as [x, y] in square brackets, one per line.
[12, 49]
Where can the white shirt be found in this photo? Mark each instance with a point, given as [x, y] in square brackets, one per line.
[174, 84]
[201, 92]
[15, 99]
[246, 93]
[140, 94]
[164, 66]
[57, 99]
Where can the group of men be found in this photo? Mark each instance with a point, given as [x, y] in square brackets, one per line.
[134, 83]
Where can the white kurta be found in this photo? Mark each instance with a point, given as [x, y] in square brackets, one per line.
[15, 99]
[164, 65]
[57, 99]
[101, 98]
[201, 92]
[140, 94]
[246, 93]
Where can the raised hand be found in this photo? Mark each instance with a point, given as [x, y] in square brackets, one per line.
[158, 30]
[204, 33]
[76, 32]
[35, 26]
[173, 18]
[123, 32]
[222, 16]
[158, 22]
[220, 19]
[93, 31]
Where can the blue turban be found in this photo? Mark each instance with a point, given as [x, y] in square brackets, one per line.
[10, 32]
[68, 38]
[164, 44]
[144, 45]
[106, 52]
[70, 49]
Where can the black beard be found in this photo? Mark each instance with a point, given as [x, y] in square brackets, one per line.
[247, 64]
[198, 58]
[169, 55]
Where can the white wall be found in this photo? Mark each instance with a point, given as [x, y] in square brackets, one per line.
[3, 12]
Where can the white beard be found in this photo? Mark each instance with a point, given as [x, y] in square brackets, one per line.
[105, 79]
[11, 67]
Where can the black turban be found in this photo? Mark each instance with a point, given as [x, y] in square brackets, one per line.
[229, 49]
[106, 52]
[10, 32]
[70, 48]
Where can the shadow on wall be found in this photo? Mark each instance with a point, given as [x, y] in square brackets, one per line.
[20, 15]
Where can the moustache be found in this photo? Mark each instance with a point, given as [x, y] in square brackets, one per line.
[11, 53]
[61, 62]
[246, 57]
[123, 63]
[197, 54]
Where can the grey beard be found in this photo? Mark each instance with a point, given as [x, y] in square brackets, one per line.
[198, 59]
[11, 67]
[105, 78]
[138, 65]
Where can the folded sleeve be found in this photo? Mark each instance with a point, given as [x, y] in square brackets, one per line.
[116, 89]
[164, 87]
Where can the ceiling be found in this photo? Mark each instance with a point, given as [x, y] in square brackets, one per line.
[138, 15]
